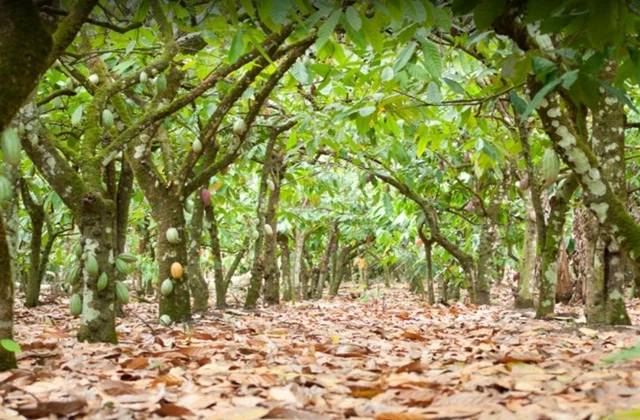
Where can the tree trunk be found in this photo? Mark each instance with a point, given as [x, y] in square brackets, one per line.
[197, 284]
[324, 262]
[427, 243]
[97, 228]
[558, 204]
[216, 254]
[299, 240]
[271, 274]
[605, 293]
[37, 217]
[7, 358]
[285, 266]
[528, 257]
[170, 215]
[236, 263]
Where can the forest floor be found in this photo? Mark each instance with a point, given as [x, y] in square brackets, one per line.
[382, 354]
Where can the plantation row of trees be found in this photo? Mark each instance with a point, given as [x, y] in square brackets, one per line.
[302, 141]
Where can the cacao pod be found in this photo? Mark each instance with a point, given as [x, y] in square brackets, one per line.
[107, 118]
[188, 206]
[143, 77]
[103, 280]
[176, 270]
[270, 185]
[166, 288]
[165, 320]
[74, 274]
[122, 292]
[128, 258]
[122, 266]
[173, 236]
[11, 146]
[6, 189]
[94, 79]
[255, 234]
[196, 146]
[75, 305]
[91, 265]
[239, 127]
[77, 250]
[550, 166]
[161, 83]
[268, 230]
[206, 196]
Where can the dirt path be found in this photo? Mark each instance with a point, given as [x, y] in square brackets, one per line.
[383, 355]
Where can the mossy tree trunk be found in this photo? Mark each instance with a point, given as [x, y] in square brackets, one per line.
[216, 254]
[427, 243]
[271, 272]
[528, 258]
[7, 358]
[605, 293]
[197, 284]
[558, 205]
[299, 240]
[37, 218]
[97, 228]
[318, 287]
[288, 292]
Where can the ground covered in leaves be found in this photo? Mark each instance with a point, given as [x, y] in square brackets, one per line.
[380, 354]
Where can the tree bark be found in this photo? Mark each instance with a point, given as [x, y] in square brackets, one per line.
[37, 217]
[97, 227]
[216, 253]
[558, 204]
[528, 258]
[324, 262]
[197, 284]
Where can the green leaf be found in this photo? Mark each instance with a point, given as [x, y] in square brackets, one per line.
[540, 9]
[462, 7]
[300, 73]
[420, 13]
[10, 345]
[326, 29]
[432, 58]
[280, 11]
[77, 115]
[539, 96]
[541, 67]
[371, 29]
[433, 93]
[353, 17]
[365, 111]
[487, 12]
[442, 18]
[237, 47]
[247, 5]
[404, 56]
[519, 104]
[454, 86]
[568, 79]
[387, 74]
[143, 11]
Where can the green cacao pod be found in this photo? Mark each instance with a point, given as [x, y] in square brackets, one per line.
[94, 79]
[122, 292]
[239, 127]
[268, 230]
[107, 118]
[77, 250]
[255, 234]
[196, 146]
[173, 236]
[122, 266]
[75, 305]
[550, 166]
[103, 280]
[128, 258]
[161, 83]
[165, 320]
[91, 265]
[74, 274]
[6, 189]
[166, 288]
[143, 77]
[270, 185]
[11, 146]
